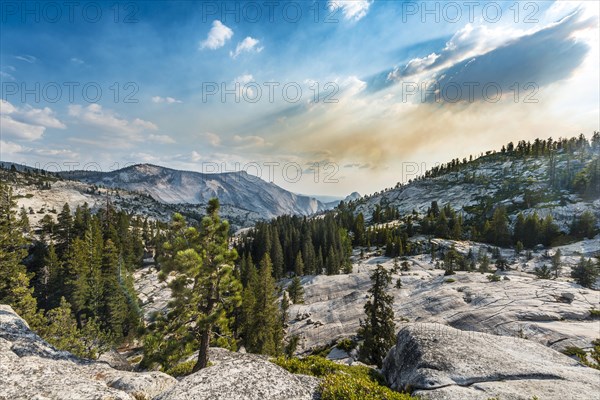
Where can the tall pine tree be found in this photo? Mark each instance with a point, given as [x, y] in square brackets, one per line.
[378, 329]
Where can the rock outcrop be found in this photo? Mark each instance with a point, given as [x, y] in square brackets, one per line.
[32, 369]
[239, 376]
[439, 362]
[555, 313]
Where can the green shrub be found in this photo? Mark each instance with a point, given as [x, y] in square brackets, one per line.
[345, 387]
[450, 280]
[183, 369]
[342, 381]
[493, 278]
[594, 314]
[346, 345]
[575, 351]
[322, 351]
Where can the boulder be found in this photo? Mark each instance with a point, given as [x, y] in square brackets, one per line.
[439, 362]
[30, 368]
[239, 376]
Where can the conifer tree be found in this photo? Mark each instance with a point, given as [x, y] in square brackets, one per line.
[262, 315]
[299, 265]
[64, 230]
[378, 329]
[114, 302]
[585, 273]
[51, 282]
[62, 331]
[296, 291]
[277, 256]
[556, 263]
[247, 323]
[331, 263]
[204, 288]
[308, 256]
[13, 246]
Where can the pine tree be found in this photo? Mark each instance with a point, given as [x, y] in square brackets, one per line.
[308, 256]
[247, 323]
[52, 279]
[556, 263]
[331, 263]
[63, 234]
[262, 313]
[299, 265]
[277, 256]
[378, 329]
[204, 288]
[13, 246]
[114, 302]
[585, 273]
[62, 331]
[296, 291]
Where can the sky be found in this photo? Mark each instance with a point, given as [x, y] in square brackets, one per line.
[320, 97]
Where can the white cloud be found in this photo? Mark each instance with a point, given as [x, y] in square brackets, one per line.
[19, 130]
[195, 156]
[249, 141]
[11, 150]
[213, 138]
[162, 139]
[6, 76]
[26, 58]
[353, 10]
[218, 35]
[248, 45]
[96, 116]
[168, 100]
[243, 79]
[27, 123]
[77, 61]
[468, 42]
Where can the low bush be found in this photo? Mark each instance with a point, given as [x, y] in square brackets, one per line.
[342, 381]
[594, 314]
[183, 369]
[346, 345]
[340, 386]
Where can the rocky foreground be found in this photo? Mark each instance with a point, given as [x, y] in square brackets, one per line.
[32, 369]
[437, 362]
[431, 360]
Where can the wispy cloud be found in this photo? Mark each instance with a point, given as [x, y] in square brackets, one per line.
[162, 139]
[249, 44]
[12, 150]
[249, 141]
[114, 130]
[77, 61]
[213, 138]
[27, 58]
[353, 10]
[218, 35]
[27, 123]
[168, 100]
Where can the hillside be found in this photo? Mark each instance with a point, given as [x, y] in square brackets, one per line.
[522, 183]
[169, 186]
[42, 193]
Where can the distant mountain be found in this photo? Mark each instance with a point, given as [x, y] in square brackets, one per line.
[351, 197]
[170, 186]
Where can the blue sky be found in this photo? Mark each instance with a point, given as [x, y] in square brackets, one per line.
[386, 75]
